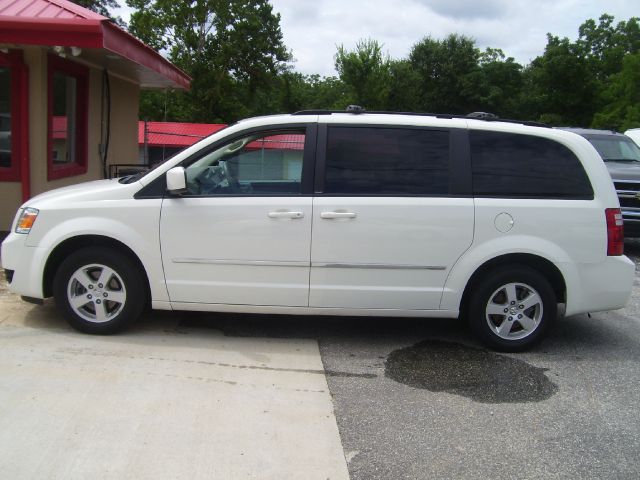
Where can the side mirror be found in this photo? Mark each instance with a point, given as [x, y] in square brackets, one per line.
[176, 181]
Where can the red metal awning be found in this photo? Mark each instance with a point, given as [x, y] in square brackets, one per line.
[291, 141]
[175, 134]
[65, 24]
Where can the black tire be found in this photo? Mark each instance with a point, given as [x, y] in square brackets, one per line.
[110, 307]
[503, 329]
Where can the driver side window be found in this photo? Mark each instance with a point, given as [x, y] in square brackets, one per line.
[258, 164]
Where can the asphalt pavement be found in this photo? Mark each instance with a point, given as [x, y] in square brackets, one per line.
[426, 401]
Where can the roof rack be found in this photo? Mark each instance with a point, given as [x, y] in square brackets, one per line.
[483, 116]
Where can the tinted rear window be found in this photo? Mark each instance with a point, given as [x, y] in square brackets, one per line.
[387, 161]
[512, 165]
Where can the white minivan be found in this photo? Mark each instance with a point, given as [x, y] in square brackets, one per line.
[337, 213]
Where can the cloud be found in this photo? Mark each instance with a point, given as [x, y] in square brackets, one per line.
[299, 12]
[313, 28]
[467, 9]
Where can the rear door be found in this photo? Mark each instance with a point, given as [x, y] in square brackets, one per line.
[390, 219]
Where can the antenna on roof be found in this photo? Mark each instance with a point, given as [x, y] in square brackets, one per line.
[355, 109]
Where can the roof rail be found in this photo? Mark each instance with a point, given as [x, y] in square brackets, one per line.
[483, 116]
[355, 109]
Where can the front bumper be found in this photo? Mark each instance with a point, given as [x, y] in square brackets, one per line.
[26, 263]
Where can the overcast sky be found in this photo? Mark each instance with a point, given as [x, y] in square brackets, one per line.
[313, 28]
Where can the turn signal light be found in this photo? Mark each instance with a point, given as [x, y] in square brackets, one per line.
[26, 220]
[615, 232]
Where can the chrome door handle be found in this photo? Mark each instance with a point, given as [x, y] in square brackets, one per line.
[331, 215]
[285, 214]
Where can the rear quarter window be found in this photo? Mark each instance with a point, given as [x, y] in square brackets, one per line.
[525, 166]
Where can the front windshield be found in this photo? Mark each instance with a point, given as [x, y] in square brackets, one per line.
[616, 148]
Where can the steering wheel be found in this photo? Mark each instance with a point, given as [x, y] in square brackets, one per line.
[224, 169]
[212, 178]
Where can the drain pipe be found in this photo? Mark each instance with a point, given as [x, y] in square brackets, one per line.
[25, 167]
[105, 130]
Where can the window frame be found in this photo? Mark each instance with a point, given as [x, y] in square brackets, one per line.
[13, 60]
[158, 187]
[540, 196]
[66, 67]
[459, 162]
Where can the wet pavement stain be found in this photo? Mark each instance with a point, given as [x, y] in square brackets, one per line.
[480, 375]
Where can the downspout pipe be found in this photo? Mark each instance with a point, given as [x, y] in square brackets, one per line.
[25, 167]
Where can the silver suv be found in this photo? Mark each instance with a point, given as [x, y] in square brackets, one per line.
[622, 158]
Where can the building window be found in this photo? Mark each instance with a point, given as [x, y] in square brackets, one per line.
[13, 106]
[68, 118]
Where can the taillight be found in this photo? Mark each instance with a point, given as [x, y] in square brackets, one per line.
[615, 232]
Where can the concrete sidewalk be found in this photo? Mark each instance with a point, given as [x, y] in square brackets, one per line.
[159, 402]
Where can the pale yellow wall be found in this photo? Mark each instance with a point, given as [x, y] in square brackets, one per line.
[123, 146]
[10, 200]
[125, 97]
[36, 60]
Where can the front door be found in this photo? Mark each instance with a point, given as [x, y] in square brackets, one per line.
[242, 233]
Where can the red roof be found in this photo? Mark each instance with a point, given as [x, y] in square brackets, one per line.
[279, 142]
[46, 9]
[175, 134]
[62, 23]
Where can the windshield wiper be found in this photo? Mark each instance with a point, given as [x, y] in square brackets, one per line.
[625, 160]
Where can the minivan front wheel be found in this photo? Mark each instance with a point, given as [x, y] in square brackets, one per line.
[512, 308]
[99, 290]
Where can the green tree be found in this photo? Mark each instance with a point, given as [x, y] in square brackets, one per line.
[103, 7]
[559, 85]
[501, 85]
[232, 49]
[604, 45]
[449, 74]
[622, 97]
[404, 90]
[367, 73]
[312, 92]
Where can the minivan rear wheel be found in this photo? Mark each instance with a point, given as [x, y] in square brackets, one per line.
[512, 308]
[99, 290]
